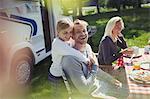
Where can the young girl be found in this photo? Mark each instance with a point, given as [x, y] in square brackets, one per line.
[61, 46]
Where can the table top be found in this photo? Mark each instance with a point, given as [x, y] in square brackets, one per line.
[137, 88]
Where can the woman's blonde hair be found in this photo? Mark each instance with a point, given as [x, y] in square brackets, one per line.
[63, 24]
[110, 25]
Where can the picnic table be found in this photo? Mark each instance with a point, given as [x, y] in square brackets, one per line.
[137, 90]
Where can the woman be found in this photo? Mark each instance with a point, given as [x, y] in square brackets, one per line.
[110, 49]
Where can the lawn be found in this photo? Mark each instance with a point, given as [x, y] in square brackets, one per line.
[40, 85]
[137, 32]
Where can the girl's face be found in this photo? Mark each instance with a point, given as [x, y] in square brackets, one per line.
[66, 34]
[117, 28]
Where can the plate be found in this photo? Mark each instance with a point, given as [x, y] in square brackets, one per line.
[128, 56]
[145, 65]
[140, 76]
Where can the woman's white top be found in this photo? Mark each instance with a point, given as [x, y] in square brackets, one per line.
[60, 49]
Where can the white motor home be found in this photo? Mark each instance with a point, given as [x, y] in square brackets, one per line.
[27, 28]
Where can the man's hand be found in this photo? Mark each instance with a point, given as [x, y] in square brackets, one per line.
[117, 83]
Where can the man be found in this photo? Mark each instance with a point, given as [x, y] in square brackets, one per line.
[83, 80]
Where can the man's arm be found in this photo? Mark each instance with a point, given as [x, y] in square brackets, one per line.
[101, 75]
[73, 68]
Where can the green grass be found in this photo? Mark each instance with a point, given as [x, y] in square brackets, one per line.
[137, 33]
[140, 41]
[40, 86]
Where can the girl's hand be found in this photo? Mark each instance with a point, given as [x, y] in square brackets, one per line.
[90, 63]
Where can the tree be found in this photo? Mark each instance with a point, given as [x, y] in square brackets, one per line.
[74, 5]
[117, 4]
[139, 3]
[97, 6]
[79, 6]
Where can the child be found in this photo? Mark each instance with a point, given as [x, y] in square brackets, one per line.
[60, 47]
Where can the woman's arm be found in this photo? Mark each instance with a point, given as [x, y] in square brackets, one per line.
[107, 52]
[121, 42]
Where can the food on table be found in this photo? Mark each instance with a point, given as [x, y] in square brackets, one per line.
[141, 75]
[136, 65]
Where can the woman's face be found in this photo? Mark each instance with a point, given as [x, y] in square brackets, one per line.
[117, 28]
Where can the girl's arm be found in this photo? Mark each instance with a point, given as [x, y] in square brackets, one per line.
[63, 49]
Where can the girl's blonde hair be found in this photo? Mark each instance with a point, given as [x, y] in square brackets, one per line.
[110, 25]
[63, 24]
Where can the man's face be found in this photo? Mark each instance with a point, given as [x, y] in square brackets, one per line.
[80, 34]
